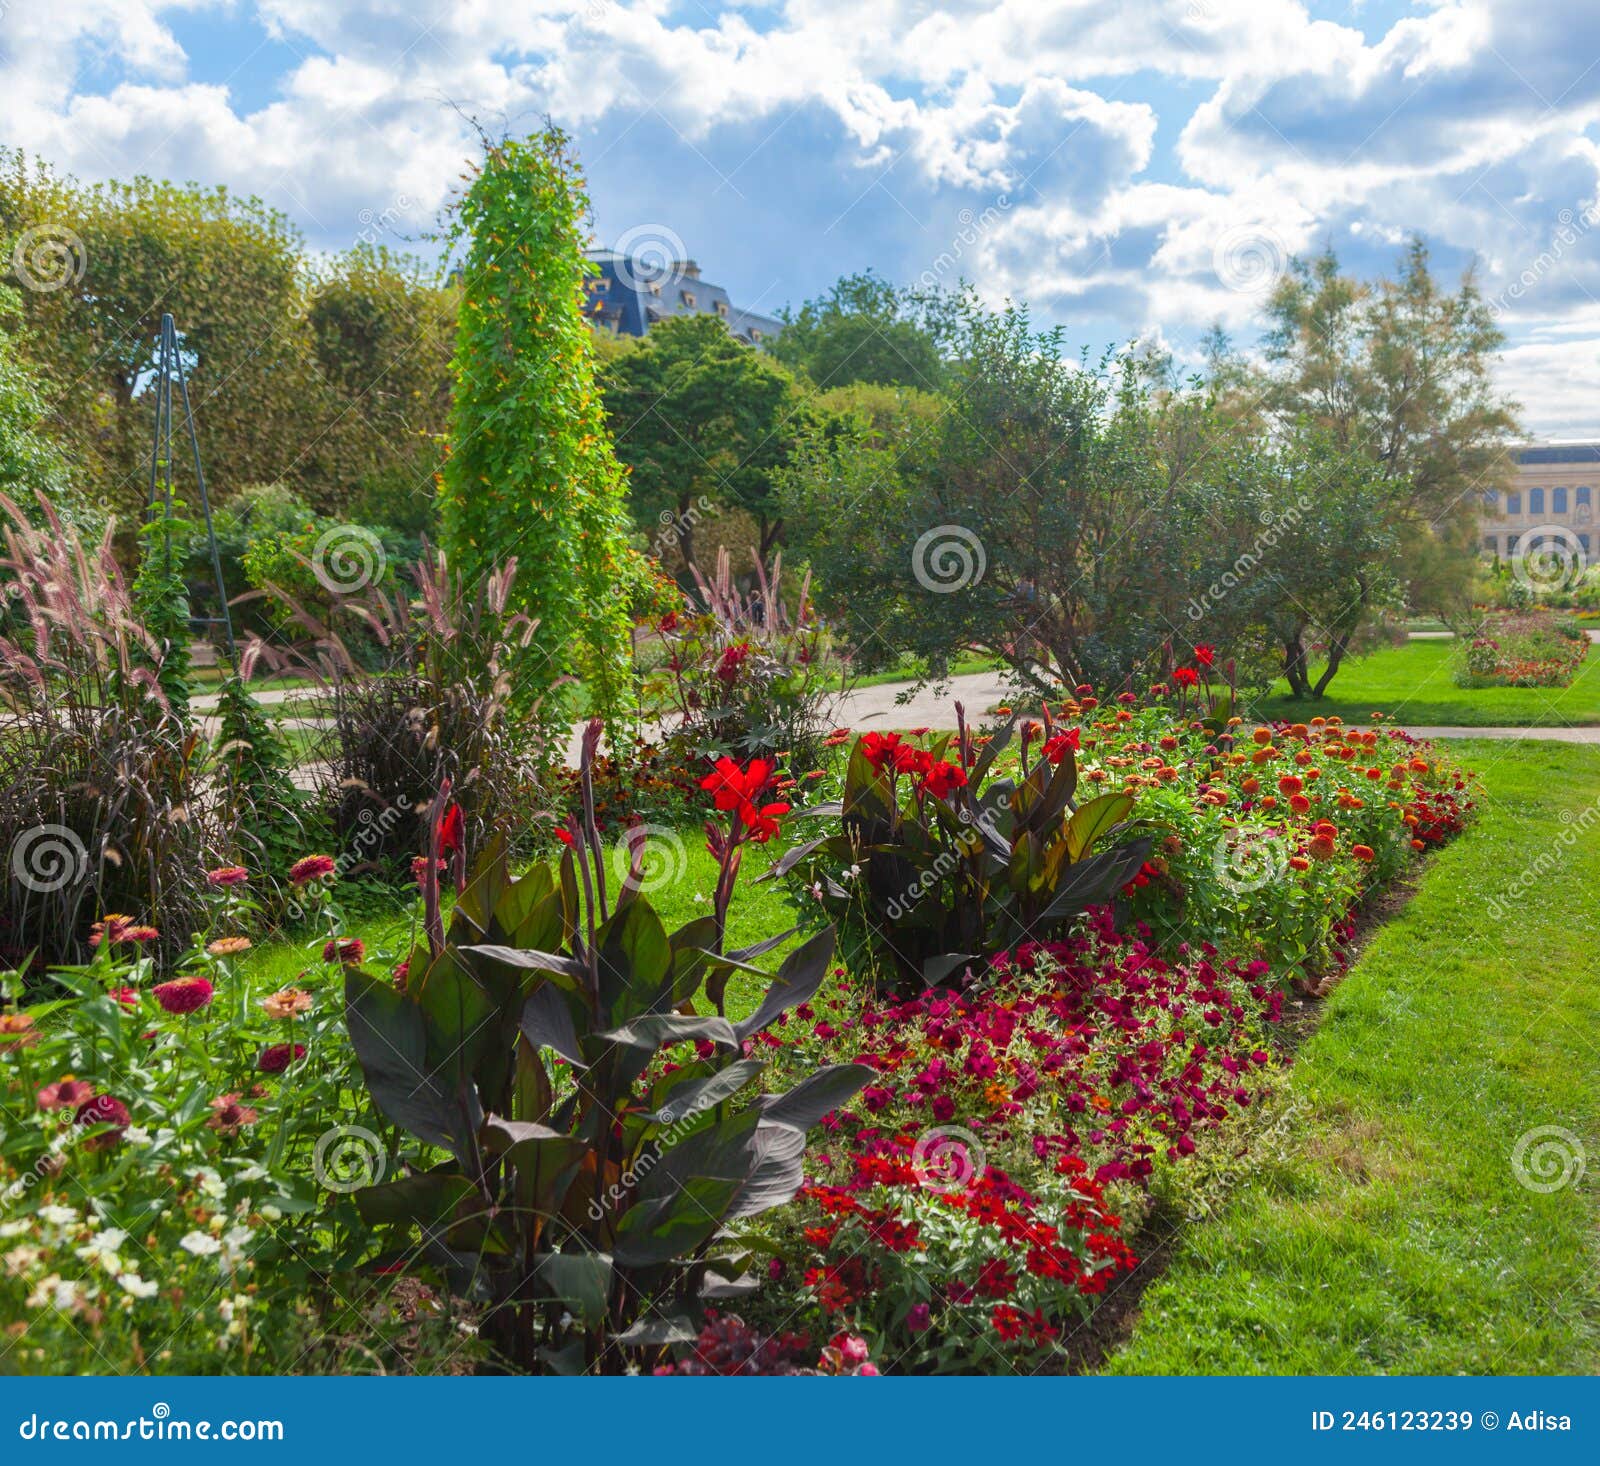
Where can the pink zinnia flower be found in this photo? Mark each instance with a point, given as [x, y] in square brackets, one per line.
[65, 1094]
[350, 951]
[228, 875]
[184, 994]
[311, 868]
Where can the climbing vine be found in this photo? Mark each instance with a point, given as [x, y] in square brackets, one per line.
[530, 472]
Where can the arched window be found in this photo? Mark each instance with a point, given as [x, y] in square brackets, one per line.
[1513, 503]
[1535, 501]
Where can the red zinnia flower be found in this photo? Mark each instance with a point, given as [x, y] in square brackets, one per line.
[184, 994]
[104, 1109]
[311, 868]
[278, 1057]
[1362, 852]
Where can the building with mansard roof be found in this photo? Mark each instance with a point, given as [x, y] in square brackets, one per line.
[629, 295]
[1556, 497]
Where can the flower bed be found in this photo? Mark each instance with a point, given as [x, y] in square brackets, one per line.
[1522, 649]
[963, 1211]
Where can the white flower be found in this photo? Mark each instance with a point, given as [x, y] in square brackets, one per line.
[199, 1244]
[210, 1183]
[54, 1292]
[253, 1172]
[136, 1286]
[14, 1229]
[20, 1259]
[270, 1212]
[61, 1216]
[699, 898]
[816, 890]
[136, 1135]
[852, 873]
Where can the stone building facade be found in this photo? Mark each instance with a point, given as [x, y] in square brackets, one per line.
[1556, 497]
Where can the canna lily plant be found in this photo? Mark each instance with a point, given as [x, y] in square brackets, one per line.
[938, 861]
[601, 1133]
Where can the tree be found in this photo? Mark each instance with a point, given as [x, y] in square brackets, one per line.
[100, 264]
[698, 415]
[531, 474]
[863, 330]
[1401, 372]
[30, 462]
[383, 326]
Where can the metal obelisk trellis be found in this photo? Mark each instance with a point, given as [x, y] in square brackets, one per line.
[169, 369]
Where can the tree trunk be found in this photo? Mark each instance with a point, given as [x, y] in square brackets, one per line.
[1337, 647]
[1294, 664]
[684, 527]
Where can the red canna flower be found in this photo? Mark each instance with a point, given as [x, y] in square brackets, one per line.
[452, 830]
[1205, 655]
[1185, 676]
[1055, 748]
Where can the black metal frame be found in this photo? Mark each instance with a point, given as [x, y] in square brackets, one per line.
[169, 368]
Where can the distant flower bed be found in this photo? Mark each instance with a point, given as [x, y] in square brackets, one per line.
[1522, 649]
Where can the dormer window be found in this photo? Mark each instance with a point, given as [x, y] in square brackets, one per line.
[755, 335]
[722, 309]
[687, 297]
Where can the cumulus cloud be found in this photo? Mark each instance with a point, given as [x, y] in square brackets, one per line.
[1134, 169]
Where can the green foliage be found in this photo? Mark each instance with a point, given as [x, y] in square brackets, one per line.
[862, 330]
[531, 474]
[947, 862]
[700, 418]
[161, 599]
[30, 463]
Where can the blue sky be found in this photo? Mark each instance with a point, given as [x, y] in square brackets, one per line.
[1132, 170]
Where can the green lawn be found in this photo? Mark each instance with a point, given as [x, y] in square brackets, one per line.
[1413, 684]
[1389, 1231]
